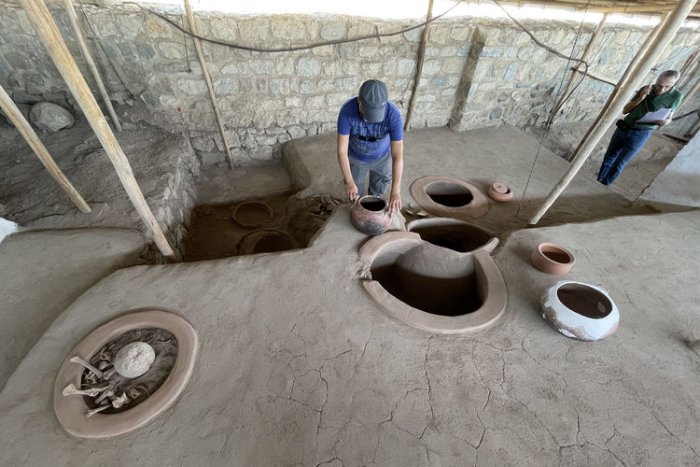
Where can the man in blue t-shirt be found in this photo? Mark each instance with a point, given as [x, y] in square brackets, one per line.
[370, 130]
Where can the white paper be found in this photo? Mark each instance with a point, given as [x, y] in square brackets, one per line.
[650, 117]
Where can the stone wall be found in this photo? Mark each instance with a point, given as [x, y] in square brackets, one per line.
[477, 72]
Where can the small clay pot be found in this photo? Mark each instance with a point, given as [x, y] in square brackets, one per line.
[369, 215]
[500, 192]
[580, 311]
[552, 259]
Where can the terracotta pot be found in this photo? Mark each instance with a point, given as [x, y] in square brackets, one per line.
[253, 214]
[500, 192]
[552, 259]
[369, 215]
[580, 311]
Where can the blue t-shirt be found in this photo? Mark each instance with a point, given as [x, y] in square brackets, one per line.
[369, 141]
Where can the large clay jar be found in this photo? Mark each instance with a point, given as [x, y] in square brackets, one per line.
[580, 311]
[369, 215]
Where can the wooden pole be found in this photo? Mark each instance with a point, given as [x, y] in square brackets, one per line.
[73, 17]
[419, 65]
[584, 57]
[49, 34]
[617, 101]
[30, 136]
[205, 71]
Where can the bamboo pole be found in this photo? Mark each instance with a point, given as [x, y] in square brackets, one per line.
[49, 34]
[210, 86]
[627, 86]
[419, 64]
[30, 136]
[584, 57]
[73, 17]
[643, 50]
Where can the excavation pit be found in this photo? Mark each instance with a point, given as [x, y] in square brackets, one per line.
[438, 296]
[455, 235]
[431, 287]
[267, 225]
[114, 408]
[449, 194]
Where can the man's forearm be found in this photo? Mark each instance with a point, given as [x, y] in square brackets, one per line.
[344, 163]
[396, 166]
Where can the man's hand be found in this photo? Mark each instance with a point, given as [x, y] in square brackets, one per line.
[644, 92]
[661, 122]
[351, 190]
[394, 203]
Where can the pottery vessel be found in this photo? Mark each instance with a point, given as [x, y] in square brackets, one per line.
[500, 192]
[449, 197]
[552, 259]
[580, 311]
[408, 251]
[253, 214]
[369, 215]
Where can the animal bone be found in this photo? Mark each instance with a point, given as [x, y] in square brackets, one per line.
[103, 365]
[87, 365]
[92, 412]
[119, 402]
[108, 393]
[109, 373]
[91, 378]
[105, 356]
[71, 390]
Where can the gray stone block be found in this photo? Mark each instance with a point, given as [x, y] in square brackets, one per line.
[333, 31]
[308, 67]
[50, 117]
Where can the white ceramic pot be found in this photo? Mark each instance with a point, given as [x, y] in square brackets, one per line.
[580, 311]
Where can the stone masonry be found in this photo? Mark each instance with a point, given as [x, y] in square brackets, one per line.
[477, 72]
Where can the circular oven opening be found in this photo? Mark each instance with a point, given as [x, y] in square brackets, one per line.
[449, 194]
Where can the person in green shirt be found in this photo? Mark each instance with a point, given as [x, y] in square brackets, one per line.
[651, 107]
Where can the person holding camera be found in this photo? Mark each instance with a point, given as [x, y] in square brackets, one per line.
[651, 107]
[370, 142]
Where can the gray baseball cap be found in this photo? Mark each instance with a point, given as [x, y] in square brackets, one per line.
[373, 96]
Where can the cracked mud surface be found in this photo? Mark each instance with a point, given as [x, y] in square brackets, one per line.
[298, 366]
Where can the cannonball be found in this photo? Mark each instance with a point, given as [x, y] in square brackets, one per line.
[133, 360]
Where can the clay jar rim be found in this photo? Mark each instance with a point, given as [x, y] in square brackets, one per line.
[70, 410]
[248, 243]
[476, 208]
[500, 192]
[358, 202]
[545, 264]
[267, 208]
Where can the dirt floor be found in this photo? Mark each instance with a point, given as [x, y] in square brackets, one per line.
[659, 151]
[299, 366]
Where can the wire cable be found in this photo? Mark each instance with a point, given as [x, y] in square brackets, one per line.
[299, 47]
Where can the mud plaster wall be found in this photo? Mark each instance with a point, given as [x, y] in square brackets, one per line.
[477, 72]
[678, 183]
